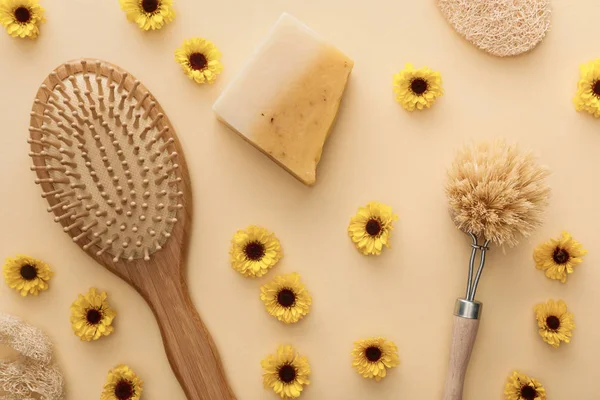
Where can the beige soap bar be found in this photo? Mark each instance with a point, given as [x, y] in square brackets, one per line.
[285, 100]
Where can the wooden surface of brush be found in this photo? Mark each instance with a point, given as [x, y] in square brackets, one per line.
[114, 175]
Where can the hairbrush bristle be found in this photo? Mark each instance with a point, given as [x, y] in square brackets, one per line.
[497, 192]
[106, 159]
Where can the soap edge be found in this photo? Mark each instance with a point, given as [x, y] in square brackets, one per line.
[247, 140]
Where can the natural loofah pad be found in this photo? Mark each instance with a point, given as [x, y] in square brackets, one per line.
[33, 376]
[499, 27]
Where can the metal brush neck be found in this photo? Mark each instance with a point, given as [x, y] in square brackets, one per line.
[467, 309]
[473, 282]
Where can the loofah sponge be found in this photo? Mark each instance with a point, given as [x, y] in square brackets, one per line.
[499, 27]
[33, 375]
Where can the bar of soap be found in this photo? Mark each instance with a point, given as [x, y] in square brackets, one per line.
[285, 100]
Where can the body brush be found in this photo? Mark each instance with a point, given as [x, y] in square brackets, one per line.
[113, 173]
[497, 194]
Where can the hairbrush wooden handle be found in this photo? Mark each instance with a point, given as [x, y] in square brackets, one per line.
[188, 344]
[464, 334]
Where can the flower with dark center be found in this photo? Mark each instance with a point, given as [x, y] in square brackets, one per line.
[373, 353]
[287, 373]
[528, 392]
[150, 6]
[254, 251]
[522, 387]
[373, 227]
[419, 86]
[26, 275]
[122, 384]
[373, 357]
[553, 322]
[21, 18]
[28, 272]
[559, 257]
[22, 14]
[92, 316]
[286, 298]
[198, 61]
[149, 14]
[123, 390]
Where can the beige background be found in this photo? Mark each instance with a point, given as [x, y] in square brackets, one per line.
[376, 152]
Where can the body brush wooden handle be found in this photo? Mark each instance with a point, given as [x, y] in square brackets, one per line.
[496, 194]
[464, 333]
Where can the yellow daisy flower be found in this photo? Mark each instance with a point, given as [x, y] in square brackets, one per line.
[92, 316]
[21, 18]
[286, 372]
[554, 321]
[374, 356]
[522, 387]
[149, 14]
[199, 59]
[122, 384]
[371, 228]
[558, 256]
[286, 298]
[254, 251]
[26, 275]
[417, 88]
[587, 97]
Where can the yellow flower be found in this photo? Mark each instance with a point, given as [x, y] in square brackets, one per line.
[373, 357]
[587, 97]
[199, 59]
[91, 316]
[554, 321]
[286, 298]
[371, 228]
[286, 372]
[21, 18]
[522, 387]
[254, 251]
[149, 14]
[122, 384]
[558, 256]
[26, 274]
[417, 88]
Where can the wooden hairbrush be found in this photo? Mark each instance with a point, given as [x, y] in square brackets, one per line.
[114, 175]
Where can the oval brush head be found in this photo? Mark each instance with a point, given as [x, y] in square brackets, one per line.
[496, 192]
[106, 159]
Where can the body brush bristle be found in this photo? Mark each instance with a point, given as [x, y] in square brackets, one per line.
[497, 192]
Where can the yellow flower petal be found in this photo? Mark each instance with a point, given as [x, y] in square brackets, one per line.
[254, 251]
[371, 228]
[92, 316]
[149, 14]
[286, 372]
[26, 275]
[200, 60]
[374, 356]
[519, 384]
